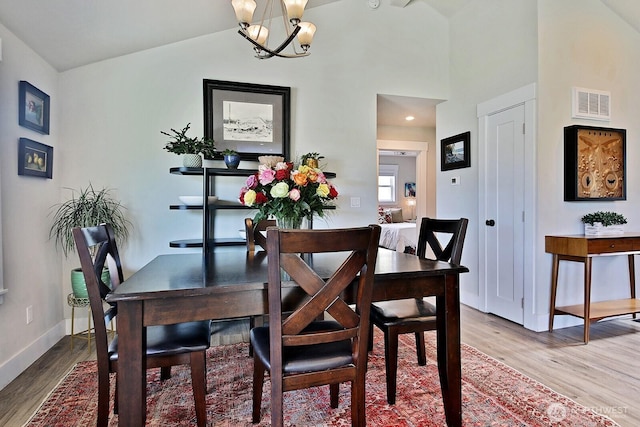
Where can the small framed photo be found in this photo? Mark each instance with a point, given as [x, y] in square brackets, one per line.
[455, 152]
[35, 159]
[33, 108]
[409, 189]
[251, 119]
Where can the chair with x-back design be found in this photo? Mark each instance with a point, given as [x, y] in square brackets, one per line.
[416, 314]
[299, 350]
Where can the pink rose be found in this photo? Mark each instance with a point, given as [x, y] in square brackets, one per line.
[252, 181]
[294, 194]
[267, 176]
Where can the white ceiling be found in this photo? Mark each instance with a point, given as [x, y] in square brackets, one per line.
[72, 33]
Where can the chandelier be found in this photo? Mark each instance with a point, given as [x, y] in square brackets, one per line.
[258, 33]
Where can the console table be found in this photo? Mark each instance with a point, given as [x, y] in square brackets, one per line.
[581, 248]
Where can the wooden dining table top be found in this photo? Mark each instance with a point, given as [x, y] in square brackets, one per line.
[233, 269]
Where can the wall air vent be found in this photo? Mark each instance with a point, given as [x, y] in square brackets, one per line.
[591, 104]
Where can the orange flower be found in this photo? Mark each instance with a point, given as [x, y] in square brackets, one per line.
[300, 179]
[312, 175]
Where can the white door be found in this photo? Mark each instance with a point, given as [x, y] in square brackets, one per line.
[504, 222]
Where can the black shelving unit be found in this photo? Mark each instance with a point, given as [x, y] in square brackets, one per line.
[210, 209]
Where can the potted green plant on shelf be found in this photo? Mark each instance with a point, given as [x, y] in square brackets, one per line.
[603, 223]
[189, 147]
[86, 208]
[231, 158]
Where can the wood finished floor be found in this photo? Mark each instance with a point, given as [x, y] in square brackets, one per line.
[603, 375]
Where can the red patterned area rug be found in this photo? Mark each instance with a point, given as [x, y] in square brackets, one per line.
[493, 395]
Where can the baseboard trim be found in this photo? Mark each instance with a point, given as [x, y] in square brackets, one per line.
[23, 359]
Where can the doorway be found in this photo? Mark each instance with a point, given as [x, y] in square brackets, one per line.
[407, 124]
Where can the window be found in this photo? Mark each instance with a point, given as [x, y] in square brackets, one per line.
[387, 178]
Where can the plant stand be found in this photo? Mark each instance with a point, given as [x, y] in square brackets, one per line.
[75, 302]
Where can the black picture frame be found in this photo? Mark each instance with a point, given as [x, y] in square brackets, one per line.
[455, 152]
[252, 119]
[595, 161]
[33, 108]
[35, 159]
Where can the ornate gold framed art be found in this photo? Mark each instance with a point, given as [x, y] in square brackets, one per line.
[594, 163]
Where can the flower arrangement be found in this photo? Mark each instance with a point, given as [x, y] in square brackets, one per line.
[289, 194]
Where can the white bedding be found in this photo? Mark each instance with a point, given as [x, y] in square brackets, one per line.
[397, 236]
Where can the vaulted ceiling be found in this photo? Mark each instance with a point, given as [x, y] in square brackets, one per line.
[72, 33]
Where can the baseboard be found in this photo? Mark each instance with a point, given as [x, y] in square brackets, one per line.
[23, 359]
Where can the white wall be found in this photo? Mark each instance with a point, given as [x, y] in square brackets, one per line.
[107, 118]
[582, 43]
[558, 45]
[32, 271]
[491, 54]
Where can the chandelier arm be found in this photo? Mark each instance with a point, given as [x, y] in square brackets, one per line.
[276, 51]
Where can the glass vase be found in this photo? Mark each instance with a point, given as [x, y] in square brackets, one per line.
[289, 223]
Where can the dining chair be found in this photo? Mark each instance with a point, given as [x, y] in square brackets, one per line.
[416, 315]
[167, 345]
[254, 233]
[298, 349]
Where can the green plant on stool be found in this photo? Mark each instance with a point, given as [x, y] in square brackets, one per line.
[87, 208]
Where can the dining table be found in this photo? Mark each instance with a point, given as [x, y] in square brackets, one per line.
[231, 282]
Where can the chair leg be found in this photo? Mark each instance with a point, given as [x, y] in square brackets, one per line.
[103, 398]
[199, 385]
[89, 328]
[422, 357]
[370, 344]
[258, 382]
[115, 400]
[358, 413]
[165, 373]
[391, 362]
[252, 324]
[334, 394]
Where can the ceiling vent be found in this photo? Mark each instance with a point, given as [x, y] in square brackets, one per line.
[591, 104]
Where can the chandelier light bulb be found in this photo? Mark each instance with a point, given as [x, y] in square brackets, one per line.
[258, 33]
[295, 9]
[244, 11]
[305, 35]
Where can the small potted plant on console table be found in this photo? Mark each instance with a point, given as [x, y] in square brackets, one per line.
[603, 223]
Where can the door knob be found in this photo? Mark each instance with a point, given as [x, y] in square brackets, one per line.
[490, 222]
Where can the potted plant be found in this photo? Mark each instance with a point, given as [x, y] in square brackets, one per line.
[603, 223]
[191, 148]
[311, 159]
[86, 208]
[231, 158]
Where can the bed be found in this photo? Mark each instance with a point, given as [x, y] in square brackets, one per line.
[400, 236]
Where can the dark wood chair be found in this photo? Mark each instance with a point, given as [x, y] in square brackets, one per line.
[299, 350]
[416, 315]
[254, 233]
[169, 345]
